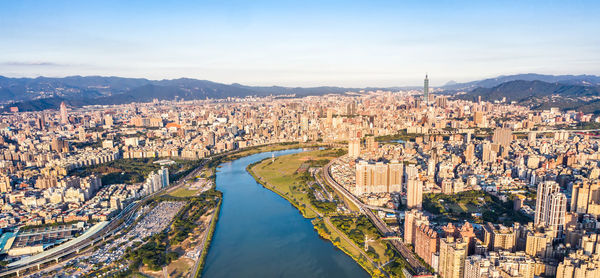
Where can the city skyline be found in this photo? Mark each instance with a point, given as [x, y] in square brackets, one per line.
[300, 139]
[357, 44]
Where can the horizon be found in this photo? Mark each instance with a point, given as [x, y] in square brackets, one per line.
[307, 44]
[325, 85]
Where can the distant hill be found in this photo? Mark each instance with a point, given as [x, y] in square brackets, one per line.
[541, 95]
[584, 80]
[31, 94]
[521, 90]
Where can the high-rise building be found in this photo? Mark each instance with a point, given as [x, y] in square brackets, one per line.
[452, 257]
[164, 176]
[378, 177]
[64, 116]
[59, 145]
[354, 148]
[371, 144]
[41, 122]
[584, 194]
[557, 211]
[531, 137]
[479, 119]
[426, 90]
[304, 123]
[537, 242]
[5, 185]
[211, 140]
[395, 173]
[502, 137]
[44, 182]
[351, 108]
[469, 153]
[551, 206]
[157, 180]
[487, 153]
[329, 117]
[426, 242]
[414, 193]
[413, 219]
[108, 120]
[499, 237]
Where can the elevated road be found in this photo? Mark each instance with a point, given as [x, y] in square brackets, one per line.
[410, 257]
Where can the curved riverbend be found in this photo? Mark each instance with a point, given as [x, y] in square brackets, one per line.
[260, 234]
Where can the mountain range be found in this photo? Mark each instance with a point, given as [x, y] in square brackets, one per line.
[534, 90]
[584, 80]
[31, 94]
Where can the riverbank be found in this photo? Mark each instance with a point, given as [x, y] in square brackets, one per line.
[206, 242]
[288, 177]
[264, 235]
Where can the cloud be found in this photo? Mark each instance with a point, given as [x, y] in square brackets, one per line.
[31, 64]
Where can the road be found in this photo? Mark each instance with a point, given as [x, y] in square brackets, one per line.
[410, 257]
[322, 185]
[201, 246]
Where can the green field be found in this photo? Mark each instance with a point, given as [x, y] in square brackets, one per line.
[183, 192]
[282, 176]
[347, 232]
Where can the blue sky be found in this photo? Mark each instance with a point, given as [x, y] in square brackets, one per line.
[300, 43]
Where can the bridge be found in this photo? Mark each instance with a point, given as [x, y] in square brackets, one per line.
[392, 238]
[447, 132]
[408, 255]
[383, 209]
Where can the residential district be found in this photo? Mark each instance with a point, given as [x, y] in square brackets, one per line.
[470, 189]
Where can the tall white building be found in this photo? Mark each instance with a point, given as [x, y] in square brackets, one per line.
[557, 211]
[156, 181]
[551, 206]
[164, 176]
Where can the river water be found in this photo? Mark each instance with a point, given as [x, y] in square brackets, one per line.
[260, 234]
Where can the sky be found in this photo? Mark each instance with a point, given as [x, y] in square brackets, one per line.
[300, 43]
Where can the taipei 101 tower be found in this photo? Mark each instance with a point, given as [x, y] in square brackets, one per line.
[426, 90]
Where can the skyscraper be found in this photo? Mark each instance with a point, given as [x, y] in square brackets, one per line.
[426, 90]
[64, 117]
[551, 206]
[557, 211]
[543, 201]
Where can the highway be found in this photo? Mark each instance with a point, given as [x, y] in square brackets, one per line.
[410, 257]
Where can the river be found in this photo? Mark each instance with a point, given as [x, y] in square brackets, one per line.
[260, 234]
